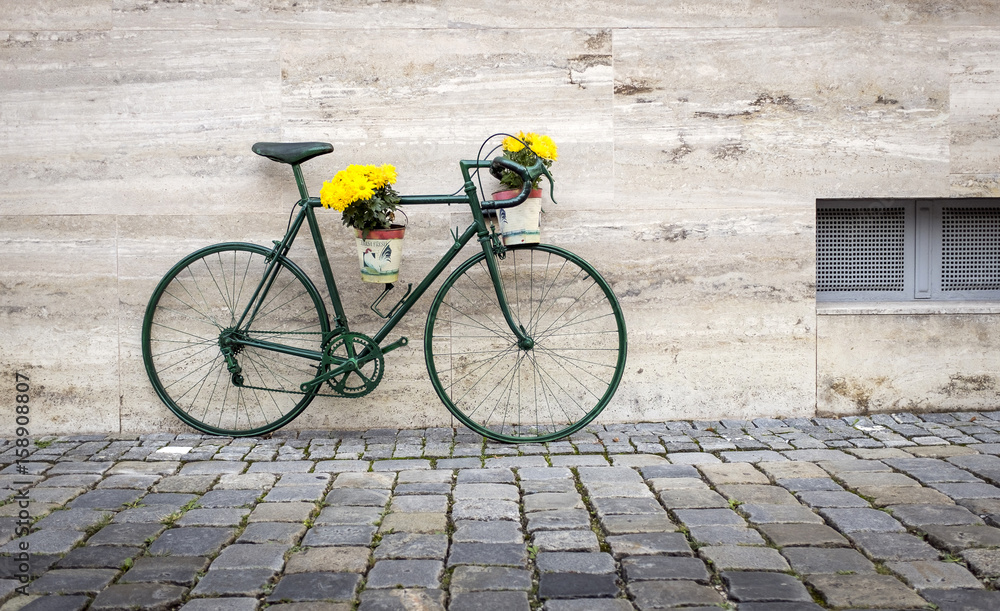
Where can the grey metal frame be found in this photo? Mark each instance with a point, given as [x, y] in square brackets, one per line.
[923, 246]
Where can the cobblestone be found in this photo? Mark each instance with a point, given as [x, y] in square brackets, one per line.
[888, 511]
[750, 586]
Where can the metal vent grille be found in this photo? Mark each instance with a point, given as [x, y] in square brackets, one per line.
[970, 249]
[860, 249]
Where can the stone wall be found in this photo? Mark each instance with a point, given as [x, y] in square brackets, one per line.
[695, 138]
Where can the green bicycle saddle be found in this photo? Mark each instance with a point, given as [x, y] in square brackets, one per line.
[292, 153]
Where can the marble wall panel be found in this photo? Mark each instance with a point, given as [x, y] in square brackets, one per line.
[719, 361]
[975, 112]
[822, 13]
[694, 140]
[422, 100]
[713, 117]
[886, 363]
[58, 310]
[39, 15]
[719, 305]
[279, 14]
[368, 15]
[612, 13]
[454, 14]
[138, 122]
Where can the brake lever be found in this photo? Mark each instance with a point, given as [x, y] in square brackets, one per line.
[552, 185]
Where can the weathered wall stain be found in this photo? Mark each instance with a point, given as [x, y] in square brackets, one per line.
[630, 86]
[666, 232]
[731, 151]
[966, 384]
[601, 40]
[758, 105]
[858, 391]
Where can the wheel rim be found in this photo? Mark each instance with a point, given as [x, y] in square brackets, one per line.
[541, 389]
[191, 317]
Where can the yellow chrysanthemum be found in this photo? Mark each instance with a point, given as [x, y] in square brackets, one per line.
[388, 174]
[332, 195]
[541, 145]
[513, 144]
[355, 183]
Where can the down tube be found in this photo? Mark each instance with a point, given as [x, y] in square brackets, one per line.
[425, 284]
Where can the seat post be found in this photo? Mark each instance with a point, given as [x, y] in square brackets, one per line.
[300, 181]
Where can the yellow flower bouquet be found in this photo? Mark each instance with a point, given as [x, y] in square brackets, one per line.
[514, 149]
[364, 196]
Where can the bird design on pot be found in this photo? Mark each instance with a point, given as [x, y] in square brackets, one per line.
[375, 261]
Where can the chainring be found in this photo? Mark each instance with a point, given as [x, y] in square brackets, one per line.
[369, 364]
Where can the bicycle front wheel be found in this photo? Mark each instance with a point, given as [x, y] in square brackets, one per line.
[540, 391]
[194, 312]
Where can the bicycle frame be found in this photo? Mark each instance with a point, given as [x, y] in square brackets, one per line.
[307, 215]
[237, 339]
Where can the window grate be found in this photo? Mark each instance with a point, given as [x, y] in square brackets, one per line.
[860, 249]
[970, 249]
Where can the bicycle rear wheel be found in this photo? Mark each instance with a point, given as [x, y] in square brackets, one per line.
[549, 390]
[192, 313]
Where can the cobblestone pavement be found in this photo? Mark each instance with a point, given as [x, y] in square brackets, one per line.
[895, 512]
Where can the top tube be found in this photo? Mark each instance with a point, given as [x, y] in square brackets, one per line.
[470, 189]
[412, 200]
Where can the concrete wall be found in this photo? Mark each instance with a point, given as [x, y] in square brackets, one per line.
[921, 357]
[695, 138]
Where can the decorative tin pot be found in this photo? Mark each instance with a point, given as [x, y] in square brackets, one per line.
[519, 225]
[380, 252]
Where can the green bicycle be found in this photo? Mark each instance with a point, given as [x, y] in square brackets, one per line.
[523, 344]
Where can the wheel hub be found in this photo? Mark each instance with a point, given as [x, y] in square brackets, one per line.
[230, 339]
[525, 343]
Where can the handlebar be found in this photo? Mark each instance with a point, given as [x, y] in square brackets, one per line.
[528, 176]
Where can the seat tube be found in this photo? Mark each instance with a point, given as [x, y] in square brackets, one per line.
[300, 181]
[324, 263]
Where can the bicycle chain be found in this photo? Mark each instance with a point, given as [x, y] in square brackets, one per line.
[291, 392]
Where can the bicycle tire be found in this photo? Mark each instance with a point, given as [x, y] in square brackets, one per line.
[543, 393]
[202, 297]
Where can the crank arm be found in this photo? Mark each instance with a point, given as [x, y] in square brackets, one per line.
[399, 343]
[339, 385]
[323, 377]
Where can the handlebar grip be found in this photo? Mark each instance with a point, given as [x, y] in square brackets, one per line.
[503, 162]
[496, 169]
[509, 203]
[528, 176]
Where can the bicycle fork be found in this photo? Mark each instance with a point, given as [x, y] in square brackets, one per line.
[495, 250]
